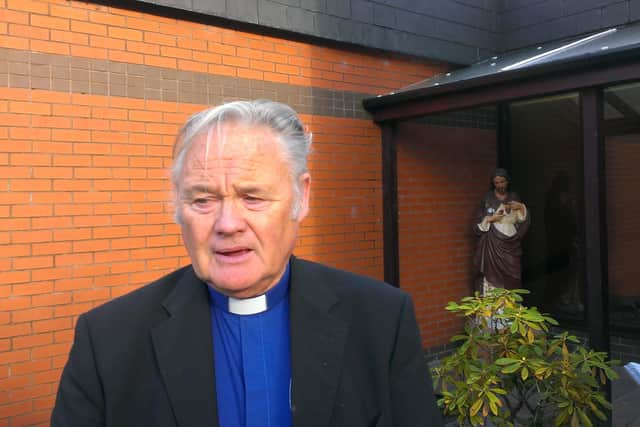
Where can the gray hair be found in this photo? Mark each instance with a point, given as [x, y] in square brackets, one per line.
[280, 118]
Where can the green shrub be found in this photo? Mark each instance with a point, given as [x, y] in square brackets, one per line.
[510, 370]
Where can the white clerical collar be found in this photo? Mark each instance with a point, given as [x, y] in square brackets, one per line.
[247, 306]
[254, 305]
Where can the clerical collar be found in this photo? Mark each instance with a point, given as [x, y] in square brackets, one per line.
[255, 305]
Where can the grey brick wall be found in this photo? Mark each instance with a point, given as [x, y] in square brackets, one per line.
[457, 31]
[529, 22]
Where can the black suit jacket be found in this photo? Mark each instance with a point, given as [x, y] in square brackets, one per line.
[146, 359]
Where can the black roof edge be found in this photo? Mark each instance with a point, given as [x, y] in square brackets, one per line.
[625, 53]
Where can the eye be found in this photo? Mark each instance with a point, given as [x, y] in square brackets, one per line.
[252, 199]
[253, 202]
[202, 204]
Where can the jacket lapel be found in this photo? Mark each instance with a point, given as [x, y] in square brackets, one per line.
[183, 348]
[318, 337]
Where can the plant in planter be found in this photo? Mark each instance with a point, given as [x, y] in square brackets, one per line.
[509, 370]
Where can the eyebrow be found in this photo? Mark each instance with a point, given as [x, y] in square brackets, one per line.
[199, 188]
[203, 188]
[249, 189]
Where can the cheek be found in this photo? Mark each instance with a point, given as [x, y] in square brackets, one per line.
[195, 231]
[269, 229]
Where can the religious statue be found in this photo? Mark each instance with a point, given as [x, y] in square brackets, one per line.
[501, 222]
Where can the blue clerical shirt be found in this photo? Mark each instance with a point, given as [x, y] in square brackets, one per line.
[252, 357]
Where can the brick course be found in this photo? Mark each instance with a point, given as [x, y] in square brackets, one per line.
[91, 97]
[442, 175]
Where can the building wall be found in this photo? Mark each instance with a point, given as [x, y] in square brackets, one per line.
[460, 31]
[457, 31]
[442, 174]
[527, 22]
[91, 97]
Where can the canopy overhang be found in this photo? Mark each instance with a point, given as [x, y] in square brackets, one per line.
[609, 56]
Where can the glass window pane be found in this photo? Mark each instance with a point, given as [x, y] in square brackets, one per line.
[622, 145]
[544, 150]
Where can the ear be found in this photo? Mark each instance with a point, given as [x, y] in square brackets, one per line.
[305, 189]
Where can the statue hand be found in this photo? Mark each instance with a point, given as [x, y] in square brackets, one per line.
[495, 218]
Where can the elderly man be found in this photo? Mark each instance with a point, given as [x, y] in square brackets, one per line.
[247, 335]
[501, 222]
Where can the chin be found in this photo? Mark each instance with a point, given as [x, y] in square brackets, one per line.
[239, 291]
[230, 289]
[234, 285]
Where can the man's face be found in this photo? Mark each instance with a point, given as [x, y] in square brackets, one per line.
[235, 198]
[500, 183]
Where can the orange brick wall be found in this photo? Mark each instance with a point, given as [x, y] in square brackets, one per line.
[623, 214]
[442, 174]
[90, 99]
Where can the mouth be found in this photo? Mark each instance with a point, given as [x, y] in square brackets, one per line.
[233, 254]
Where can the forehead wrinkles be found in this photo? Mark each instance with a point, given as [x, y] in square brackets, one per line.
[234, 147]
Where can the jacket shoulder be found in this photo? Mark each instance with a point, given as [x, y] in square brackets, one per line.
[139, 302]
[348, 285]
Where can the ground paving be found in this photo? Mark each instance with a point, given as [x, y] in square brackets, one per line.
[626, 401]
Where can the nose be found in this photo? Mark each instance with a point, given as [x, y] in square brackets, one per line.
[230, 219]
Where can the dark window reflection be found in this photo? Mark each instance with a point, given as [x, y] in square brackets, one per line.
[544, 151]
[622, 143]
[562, 290]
